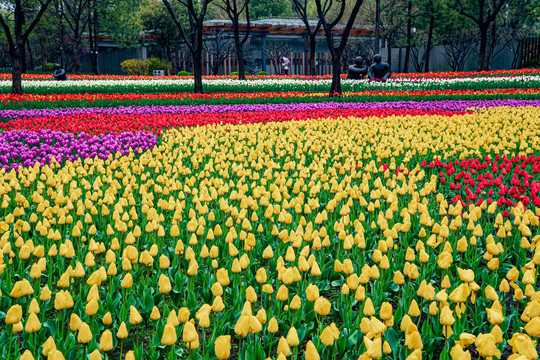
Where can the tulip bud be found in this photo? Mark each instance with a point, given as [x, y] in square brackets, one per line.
[292, 337]
[322, 306]
[122, 332]
[164, 284]
[169, 335]
[312, 292]
[283, 347]
[74, 322]
[106, 341]
[222, 347]
[95, 355]
[273, 326]
[311, 352]
[85, 335]
[27, 355]
[134, 316]
[190, 333]
[14, 314]
[32, 324]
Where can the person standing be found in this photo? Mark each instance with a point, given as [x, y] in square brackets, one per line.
[285, 64]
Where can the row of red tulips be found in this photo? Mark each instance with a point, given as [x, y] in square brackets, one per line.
[157, 123]
[442, 74]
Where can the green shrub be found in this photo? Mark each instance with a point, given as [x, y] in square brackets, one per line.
[262, 73]
[134, 67]
[184, 73]
[49, 67]
[155, 64]
[235, 73]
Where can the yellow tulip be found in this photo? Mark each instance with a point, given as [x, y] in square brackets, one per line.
[189, 334]
[169, 336]
[74, 322]
[14, 314]
[523, 345]
[155, 315]
[48, 346]
[32, 324]
[95, 355]
[283, 347]
[485, 345]
[21, 288]
[164, 284]
[273, 326]
[134, 316]
[27, 355]
[92, 307]
[292, 337]
[106, 341]
[312, 292]
[183, 315]
[85, 335]
[457, 353]
[327, 336]
[311, 352]
[533, 327]
[122, 332]
[322, 306]
[222, 347]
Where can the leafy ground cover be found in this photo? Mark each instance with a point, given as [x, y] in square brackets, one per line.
[295, 229]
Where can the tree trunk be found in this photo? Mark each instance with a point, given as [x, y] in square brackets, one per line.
[409, 37]
[493, 44]
[91, 42]
[429, 40]
[389, 44]
[62, 48]
[197, 58]
[43, 53]
[377, 25]
[16, 75]
[30, 54]
[76, 57]
[482, 50]
[335, 89]
[241, 65]
[96, 41]
[239, 47]
[23, 56]
[312, 54]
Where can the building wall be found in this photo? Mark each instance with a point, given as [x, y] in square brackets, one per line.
[438, 59]
[110, 59]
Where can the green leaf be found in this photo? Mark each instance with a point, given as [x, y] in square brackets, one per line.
[392, 339]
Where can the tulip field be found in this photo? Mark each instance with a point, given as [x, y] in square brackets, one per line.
[265, 220]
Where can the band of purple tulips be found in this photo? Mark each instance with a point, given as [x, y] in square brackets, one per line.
[448, 105]
[26, 148]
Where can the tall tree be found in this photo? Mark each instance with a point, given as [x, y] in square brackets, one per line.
[301, 9]
[324, 9]
[234, 10]
[483, 13]
[76, 15]
[155, 18]
[194, 41]
[21, 10]
[270, 8]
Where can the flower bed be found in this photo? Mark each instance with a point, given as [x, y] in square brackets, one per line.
[265, 85]
[271, 225]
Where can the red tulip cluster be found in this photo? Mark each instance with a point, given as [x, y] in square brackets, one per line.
[10, 98]
[504, 180]
[157, 123]
[446, 74]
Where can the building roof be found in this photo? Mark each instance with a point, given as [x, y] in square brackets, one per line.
[282, 27]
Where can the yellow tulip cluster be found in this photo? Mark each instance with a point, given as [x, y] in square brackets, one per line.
[285, 239]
